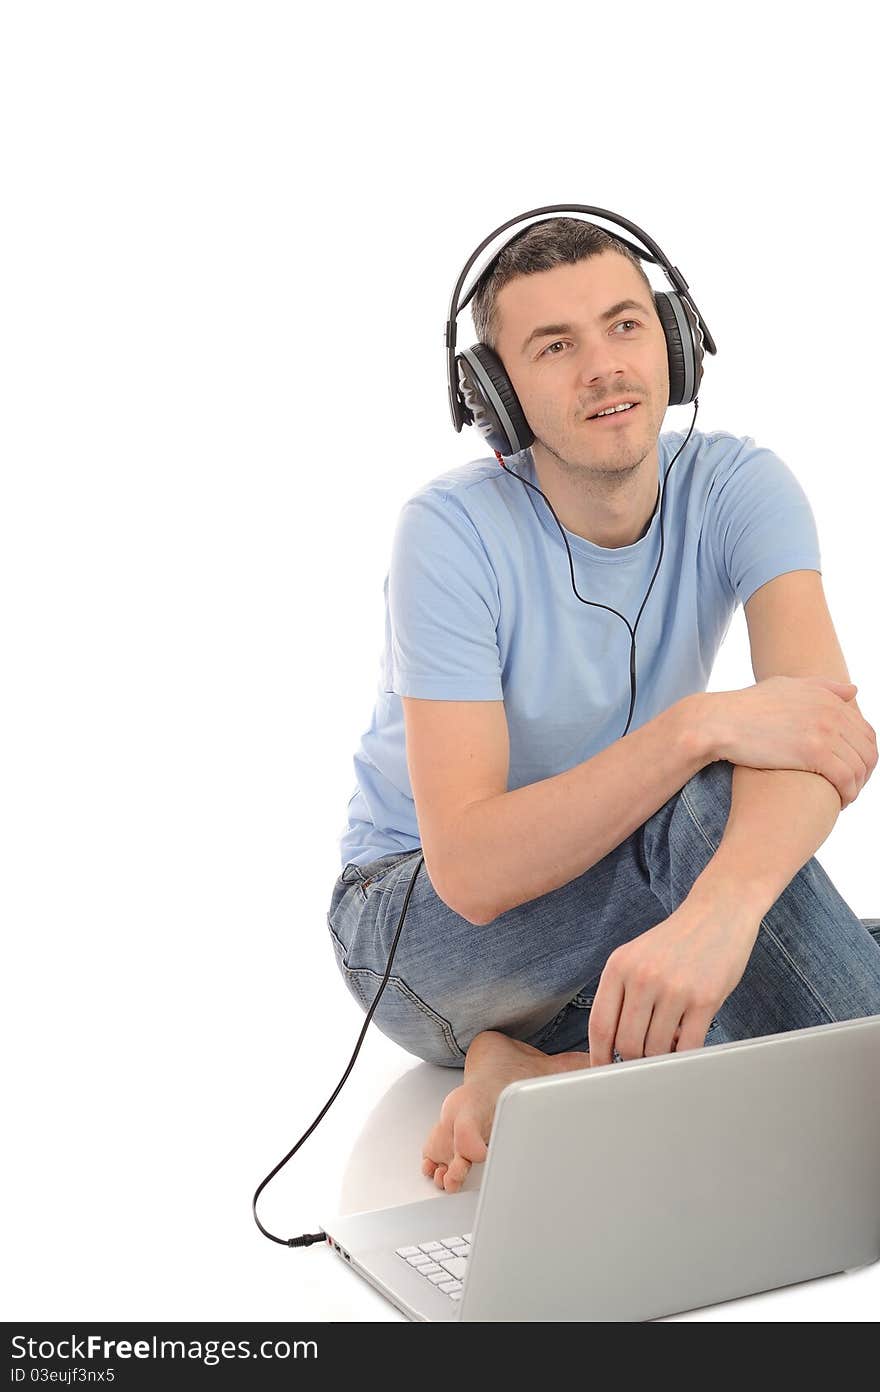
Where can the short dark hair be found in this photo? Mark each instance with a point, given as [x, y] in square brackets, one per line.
[543, 245]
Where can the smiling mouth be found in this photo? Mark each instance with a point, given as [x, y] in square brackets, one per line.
[612, 416]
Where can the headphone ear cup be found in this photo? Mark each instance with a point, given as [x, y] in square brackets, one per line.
[684, 346]
[491, 404]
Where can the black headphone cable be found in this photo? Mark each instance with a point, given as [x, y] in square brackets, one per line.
[308, 1239]
[632, 631]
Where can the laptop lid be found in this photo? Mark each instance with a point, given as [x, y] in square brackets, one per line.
[653, 1186]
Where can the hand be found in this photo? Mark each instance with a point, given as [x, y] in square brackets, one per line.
[807, 723]
[658, 993]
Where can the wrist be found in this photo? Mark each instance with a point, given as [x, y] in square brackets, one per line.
[700, 726]
[726, 888]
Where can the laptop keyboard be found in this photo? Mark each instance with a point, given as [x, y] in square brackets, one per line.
[442, 1263]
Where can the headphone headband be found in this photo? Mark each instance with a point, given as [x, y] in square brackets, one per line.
[655, 256]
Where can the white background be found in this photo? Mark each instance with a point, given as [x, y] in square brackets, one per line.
[229, 240]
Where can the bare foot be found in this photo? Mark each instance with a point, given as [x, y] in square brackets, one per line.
[460, 1137]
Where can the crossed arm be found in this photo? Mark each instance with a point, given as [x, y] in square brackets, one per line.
[778, 817]
[660, 991]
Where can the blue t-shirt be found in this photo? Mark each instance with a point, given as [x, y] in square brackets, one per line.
[479, 606]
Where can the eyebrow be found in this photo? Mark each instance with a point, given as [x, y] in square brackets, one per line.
[544, 329]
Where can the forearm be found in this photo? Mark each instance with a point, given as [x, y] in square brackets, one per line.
[518, 845]
[778, 820]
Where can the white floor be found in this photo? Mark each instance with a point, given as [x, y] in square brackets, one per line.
[160, 1075]
[382, 1169]
[134, 1193]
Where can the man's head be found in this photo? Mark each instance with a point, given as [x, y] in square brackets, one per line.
[544, 308]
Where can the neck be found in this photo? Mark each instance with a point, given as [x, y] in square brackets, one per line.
[609, 505]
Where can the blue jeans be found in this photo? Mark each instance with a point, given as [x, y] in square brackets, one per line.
[533, 972]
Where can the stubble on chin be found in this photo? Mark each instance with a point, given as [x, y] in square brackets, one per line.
[582, 459]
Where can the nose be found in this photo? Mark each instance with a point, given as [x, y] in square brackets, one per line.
[600, 360]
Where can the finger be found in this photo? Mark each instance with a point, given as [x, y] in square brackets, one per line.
[840, 775]
[694, 1028]
[664, 1026]
[863, 740]
[632, 1027]
[832, 683]
[854, 756]
[604, 1014]
[849, 756]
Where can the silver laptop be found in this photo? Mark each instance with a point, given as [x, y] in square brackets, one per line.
[649, 1187]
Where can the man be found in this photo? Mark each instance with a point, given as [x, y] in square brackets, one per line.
[636, 894]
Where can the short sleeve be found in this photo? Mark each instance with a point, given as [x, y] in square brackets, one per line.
[441, 606]
[764, 525]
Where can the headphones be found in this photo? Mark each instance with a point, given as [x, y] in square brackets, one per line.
[480, 391]
[481, 394]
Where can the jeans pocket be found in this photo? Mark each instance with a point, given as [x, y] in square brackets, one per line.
[371, 874]
[400, 1014]
[338, 946]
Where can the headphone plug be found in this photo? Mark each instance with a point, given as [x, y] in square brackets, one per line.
[306, 1240]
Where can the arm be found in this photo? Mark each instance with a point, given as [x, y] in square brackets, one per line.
[778, 820]
[487, 850]
[778, 817]
[659, 992]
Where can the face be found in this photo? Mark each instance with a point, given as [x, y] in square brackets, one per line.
[580, 360]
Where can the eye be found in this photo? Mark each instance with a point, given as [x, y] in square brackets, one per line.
[556, 343]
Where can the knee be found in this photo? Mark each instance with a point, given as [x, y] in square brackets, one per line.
[703, 804]
[696, 815]
[708, 793]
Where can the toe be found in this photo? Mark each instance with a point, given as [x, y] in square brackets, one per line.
[456, 1174]
[440, 1175]
[469, 1143]
[438, 1147]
